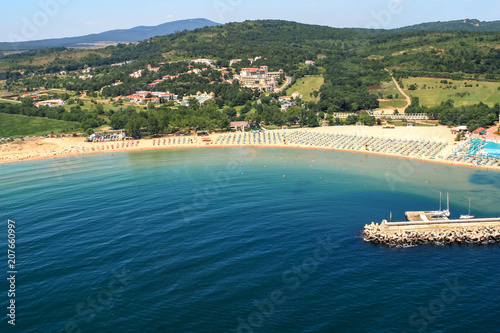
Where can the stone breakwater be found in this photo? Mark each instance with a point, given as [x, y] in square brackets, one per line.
[398, 234]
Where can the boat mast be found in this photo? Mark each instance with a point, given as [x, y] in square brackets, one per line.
[440, 200]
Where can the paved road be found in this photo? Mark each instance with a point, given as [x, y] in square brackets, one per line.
[490, 133]
[287, 83]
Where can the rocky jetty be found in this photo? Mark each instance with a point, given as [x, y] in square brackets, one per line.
[411, 235]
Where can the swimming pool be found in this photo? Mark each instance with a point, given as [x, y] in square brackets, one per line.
[492, 148]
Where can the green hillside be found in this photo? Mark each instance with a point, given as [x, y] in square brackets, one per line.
[18, 125]
[306, 86]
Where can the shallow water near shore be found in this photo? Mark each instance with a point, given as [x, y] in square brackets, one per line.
[242, 240]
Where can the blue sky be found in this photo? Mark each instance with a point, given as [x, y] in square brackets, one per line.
[41, 19]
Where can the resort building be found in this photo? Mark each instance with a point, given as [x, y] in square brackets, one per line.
[142, 96]
[200, 97]
[259, 78]
[51, 103]
[165, 95]
[208, 62]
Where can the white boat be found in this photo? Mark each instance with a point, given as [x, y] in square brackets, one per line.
[440, 212]
[468, 216]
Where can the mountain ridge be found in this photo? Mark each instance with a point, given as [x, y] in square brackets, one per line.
[141, 33]
[131, 35]
[455, 25]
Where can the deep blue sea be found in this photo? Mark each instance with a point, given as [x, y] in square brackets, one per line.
[241, 240]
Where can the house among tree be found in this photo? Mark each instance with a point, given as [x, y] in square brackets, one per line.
[33, 96]
[208, 62]
[140, 99]
[51, 103]
[239, 124]
[234, 61]
[136, 74]
[479, 131]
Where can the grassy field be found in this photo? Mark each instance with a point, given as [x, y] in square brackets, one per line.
[388, 89]
[19, 125]
[432, 92]
[305, 86]
[88, 106]
[8, 101]
[393, 104]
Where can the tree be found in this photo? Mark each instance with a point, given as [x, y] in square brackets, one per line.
[118, 120]
[154, 126]
[366, 119]
[99, 108]
[27, 102]
[230, 112]
[133, 127]
[312, 119]
[351, 119]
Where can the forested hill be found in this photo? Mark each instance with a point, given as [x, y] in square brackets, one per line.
[458, 25]
[287, 44]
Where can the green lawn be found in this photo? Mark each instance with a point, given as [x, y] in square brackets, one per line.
[305, 86]
[19, 125]
[436, 92]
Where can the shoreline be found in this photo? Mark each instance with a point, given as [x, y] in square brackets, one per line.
[31, 150]
[262, 146]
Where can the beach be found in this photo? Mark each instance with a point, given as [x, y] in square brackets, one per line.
[430, 144]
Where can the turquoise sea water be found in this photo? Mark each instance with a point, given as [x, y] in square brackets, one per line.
[241, 240]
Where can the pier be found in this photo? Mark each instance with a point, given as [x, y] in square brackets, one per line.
[433, 231]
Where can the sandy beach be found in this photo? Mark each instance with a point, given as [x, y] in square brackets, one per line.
[389, 143]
